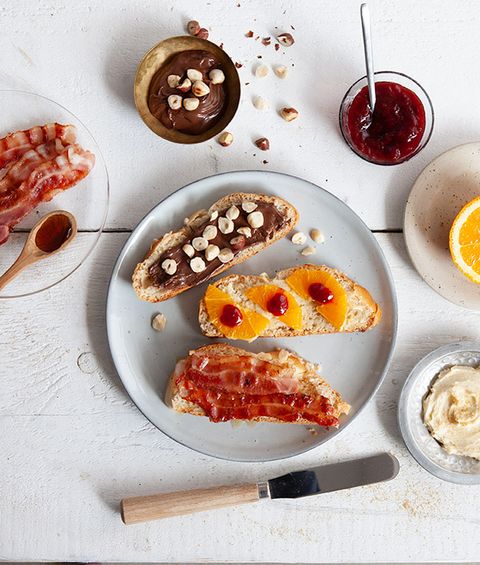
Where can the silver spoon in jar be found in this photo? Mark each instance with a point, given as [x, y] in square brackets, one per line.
[49, 235]
[367, 47]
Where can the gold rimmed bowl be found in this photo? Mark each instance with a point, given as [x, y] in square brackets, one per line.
[160, 55]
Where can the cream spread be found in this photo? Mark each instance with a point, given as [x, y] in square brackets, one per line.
[451, 410]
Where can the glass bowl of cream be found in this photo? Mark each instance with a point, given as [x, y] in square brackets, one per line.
[439, 413]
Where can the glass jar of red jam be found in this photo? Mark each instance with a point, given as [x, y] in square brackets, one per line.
[400, 125]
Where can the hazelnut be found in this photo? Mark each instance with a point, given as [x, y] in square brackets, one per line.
[210, 232]
[232, 213]
[286, 39]
[249, 207]
[197, 264]
[225, 225]
[317, 236]
[225, 139]
[246, 231]
[281, 71]
[159, 322]
[174, 101]
[199, 243]
[193, 27]
[188, 250]
[199, 88]
[173, 80]
[211, 252]
[169, 266]
[225, 255]
[214, 215]
[289, 114]
[202, 33]
[263, 143]
[299, 238]
[194, 75]
[309, 250]
[185, 86]
[217, 76]
[261, 71]
[237, 243]
[260, 103]
[255, 219]
[190, 104]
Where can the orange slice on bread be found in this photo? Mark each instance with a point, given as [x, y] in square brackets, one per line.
[262, 294]
[334, 311]
[252, 323]
[464, 240]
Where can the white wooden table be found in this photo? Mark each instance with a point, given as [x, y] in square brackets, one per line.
[71, 442]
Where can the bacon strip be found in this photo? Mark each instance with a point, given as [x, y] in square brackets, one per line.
[240, 387]
[16, 144]
[60, 173]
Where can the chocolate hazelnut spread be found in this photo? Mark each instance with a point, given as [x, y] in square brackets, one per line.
[211, 105]
[273, 221]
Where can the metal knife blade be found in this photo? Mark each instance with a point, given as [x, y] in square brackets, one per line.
[337, 476]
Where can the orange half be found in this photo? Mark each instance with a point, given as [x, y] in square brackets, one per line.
[263, 293]
[252, 325]
[335, 311]
[464, 240]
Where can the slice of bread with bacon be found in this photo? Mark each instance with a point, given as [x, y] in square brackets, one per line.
[226, 383]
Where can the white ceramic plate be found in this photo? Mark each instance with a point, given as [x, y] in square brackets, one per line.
[439, 193]
[424, 448]
[354, 364]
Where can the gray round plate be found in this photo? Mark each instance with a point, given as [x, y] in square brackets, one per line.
[354, 364]
[424, 448]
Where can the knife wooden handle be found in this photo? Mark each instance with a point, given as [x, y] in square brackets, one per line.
[156, 506]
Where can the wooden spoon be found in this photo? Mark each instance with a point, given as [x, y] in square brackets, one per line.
[48, 236]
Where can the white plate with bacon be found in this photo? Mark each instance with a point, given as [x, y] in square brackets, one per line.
[48, 161]
[354, 364]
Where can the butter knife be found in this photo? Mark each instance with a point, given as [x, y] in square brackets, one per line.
[327, 478]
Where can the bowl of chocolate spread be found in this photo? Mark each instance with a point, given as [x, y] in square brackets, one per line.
[187, 89]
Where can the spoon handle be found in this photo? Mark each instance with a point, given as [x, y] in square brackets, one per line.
[20, 264]
[367, 46]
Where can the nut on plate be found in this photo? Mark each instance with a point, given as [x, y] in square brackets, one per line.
[193, 27]
[260, 103]
[174, 101]
[286, 39]
[281, 71]
[225, 139]
[261, 71]
[289, 114]
[309, 250]
[299, 238]
[190, 104]
[199, 88]
[159, 321]
[262, 143]
[317, 236]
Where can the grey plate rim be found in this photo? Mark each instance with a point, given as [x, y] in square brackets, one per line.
[415, 452]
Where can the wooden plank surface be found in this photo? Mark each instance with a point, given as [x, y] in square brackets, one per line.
[73, 444]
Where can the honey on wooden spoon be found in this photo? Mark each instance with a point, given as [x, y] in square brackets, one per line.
[49, 235]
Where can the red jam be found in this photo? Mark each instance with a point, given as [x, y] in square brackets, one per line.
[320, 293]
[278, 304]
[231, 316]
[394, 131]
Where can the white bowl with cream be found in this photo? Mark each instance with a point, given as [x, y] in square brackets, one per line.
[441, 392]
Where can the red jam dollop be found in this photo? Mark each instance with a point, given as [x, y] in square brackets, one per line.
[320, 293]
[278, 304]
[231, 316]
[395, 129]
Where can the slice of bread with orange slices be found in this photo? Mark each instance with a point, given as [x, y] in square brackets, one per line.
[464, 240]
[305, 300]
[226, 383]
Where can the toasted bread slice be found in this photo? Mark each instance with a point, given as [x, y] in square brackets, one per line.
[146, 288]
[362, 312]
[304, 375]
